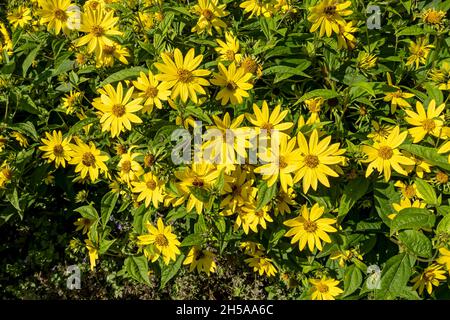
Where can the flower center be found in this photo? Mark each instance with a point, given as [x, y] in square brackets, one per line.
[230, 55]
[58, 150]
[161, 240]
[329, 10]
[311, 161]
[151, 92]
[88, 159]
[7, 173]
[310, 226]
[428, 125]
[441, 177]
[97, 31]
[151, 184]
[236, 190]
[433, 17]
[60, 14]
[118, 110]
[231, 85]
[208, 14]
[198, 183]
[149, 160]
[109, 50]
[282, 162]
[385, 152]
[428, 276]
[267, 126]
[410, 192]
[322, 288]
[249, 65]
[184, 76]
[126, 166]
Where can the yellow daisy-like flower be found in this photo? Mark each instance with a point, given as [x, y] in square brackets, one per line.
[444, 258]
[316, 159]
[328, 16]
[325, 289]
[93, 253]
[431, 276]
[229, 50]
[444, 149]
[379, 131]
[397, 98]
[420, 166]
[366, 61]
[130, 169]
[262, 265]
[433, 17]
[234, 83]
[99, 26]
[5, 41]
[151, 91]
[310, 228]
[314, 106]
[254, 217]
[429, 122]
[346, 39]
[409, 191]
[83, 224]
[281, 163]
[20, 138]
[345, 255]
[182, 74]
[405, 203]
[117, 109]
[162, 239]
[106, 55]
[419, 52]
[88, 159]
[258, 7]
[384, 155]
[441, 76]
[210, 13]
[55, 14]
[151, 189]
[69, 101]
[202, 260]
[19, 17]
[3, 141]
[56, 148]
[265, 120]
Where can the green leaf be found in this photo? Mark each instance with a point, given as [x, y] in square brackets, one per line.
[26, 128]
[410, 31]
[395, 276]
[385, 194]
[429, 154]
[426, 191]
[265, 195]
[324, 93]
[200, 193]
[13, 198]
[107, 206]
[416, 242]
[444, 225]
[104, 245]
[194, 239]
[168, 272]
[352, 280]
[29, 60]
[77, 127]
[353, 191]
[124, 74]
[137, 268]
[87, 212]
[413, 218]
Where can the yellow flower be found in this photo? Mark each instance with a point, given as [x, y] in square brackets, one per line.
[236, 191]
[88, 159]
[254, 217]
[325, 289]
[346, 39]
[106, 55]
[23, 142]
[265, 120]
[117, 110]
[441, 76]
[99, 26]
[20, 17]
[262, 265]
[345, 255]
[3, 141]
[409, 191]
[152, 91]
[202, 260]
[5, 41]
[70, 100]
[380, 131]
[55, 148]
[6, 174]
[234, 84]
[444, 258]
[229, 50]
[258, 7]
[83, 224]
[405, 203]
[201, 176]
[430, 277]
[419, 52]
[328, 16]
[314, 106]
[251, 248]
[93, 253]
[384, 155]
[426, 122]
[366, 61]
[282, 202]
[281, 163]
[420, 166]
[130, 169]
[309, 228]
[151, 189]
[251, 64]
[146, 20]
[433, 17]
[444, 149]
[164, 243]
[182, 74]
[397, 98]
[316, 159]
[55, 14]
[210, 13]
